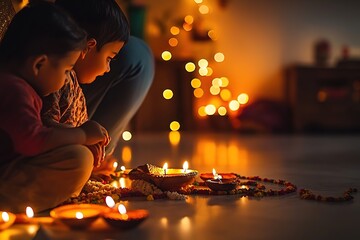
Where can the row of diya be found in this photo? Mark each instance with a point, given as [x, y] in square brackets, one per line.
[80, 216]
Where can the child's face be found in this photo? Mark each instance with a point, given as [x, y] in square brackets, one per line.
[53, 73]
[96, 62]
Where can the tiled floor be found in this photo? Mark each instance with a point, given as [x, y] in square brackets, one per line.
[327, 164]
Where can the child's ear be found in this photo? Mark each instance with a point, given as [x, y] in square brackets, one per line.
[91, 43]
[38, 63]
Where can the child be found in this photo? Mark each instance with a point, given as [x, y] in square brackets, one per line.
[108, 31]
[40, 166]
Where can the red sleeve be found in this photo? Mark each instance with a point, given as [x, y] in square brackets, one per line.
[20, 117]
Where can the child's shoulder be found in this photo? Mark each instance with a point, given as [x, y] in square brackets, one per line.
[13, 85]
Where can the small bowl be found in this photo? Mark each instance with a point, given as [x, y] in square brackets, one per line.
[225, 176]
[67, 214]
[4, 225]
[221, 185]
[125, 221]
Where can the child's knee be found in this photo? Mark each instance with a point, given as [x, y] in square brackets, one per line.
[81, 157]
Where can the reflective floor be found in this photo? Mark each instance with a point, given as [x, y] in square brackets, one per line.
[326, 164]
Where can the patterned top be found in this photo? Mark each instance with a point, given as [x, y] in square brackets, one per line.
[66, 106]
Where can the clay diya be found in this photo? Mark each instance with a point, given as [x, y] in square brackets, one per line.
[221, 185]
[29, 218]
[6, 220]
[166, 179]
[78, 216]
[120, 218]
[213, 175]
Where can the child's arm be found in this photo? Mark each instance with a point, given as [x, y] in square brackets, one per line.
[88, 134]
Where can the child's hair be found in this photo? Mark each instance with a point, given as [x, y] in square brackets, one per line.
[103, 20]
[40, 28]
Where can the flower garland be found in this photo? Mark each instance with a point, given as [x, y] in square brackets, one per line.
[95, 192]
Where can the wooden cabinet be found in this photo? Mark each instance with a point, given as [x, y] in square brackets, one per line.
[324, 99]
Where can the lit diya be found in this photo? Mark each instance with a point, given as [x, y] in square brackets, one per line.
[119, 217]
[78, 216]
[167, 179]
[28, 218]
[6, 220]
[218, 183]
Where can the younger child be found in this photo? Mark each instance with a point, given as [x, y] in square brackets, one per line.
[40, 166]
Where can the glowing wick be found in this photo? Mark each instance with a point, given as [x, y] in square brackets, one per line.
[5, 216]
[110, 202]
[122, 168]
[185, 166]
[115, 164]
[79, 215]
[216, 176]
[165, 167]
[122, 211]
[29, 212]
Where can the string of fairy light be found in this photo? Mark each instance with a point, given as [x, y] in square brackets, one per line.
[222, 100]
[225, 102]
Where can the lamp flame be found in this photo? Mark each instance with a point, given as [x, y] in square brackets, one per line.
[110, 202]
[216, 176]
[5, 216]
[165, 167]
[79, 215]
[185, 166]
[121, 209]
[29, 212]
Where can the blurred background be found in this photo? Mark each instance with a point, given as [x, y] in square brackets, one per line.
[281, 66]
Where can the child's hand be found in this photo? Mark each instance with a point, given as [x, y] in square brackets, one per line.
[95, 133]
[98, 151]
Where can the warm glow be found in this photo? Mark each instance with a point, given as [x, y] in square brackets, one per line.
[164, 222]
[122, 168]
[243, 98]
[224, 81]
[214, 90]
[168, 94]
[203, 71]
[210, 71]
[122, 209]
[190, 67]
[5, 217]
[29, 212]
[212, 35]
[196, 83]
[174, 126]
[216, 175]
[115, 165]
[198, 1]
[216, 82]
[122, 182]
[222, 111]
[234, 105]
[173, 42]
[126, 154]
[219, 57]
[187, 27]
[210, 109]
[185, 224]
[203, 63]
[126, 135]
[174, 138]
[110, 202]
[174, 30]
[189, 19]
[203, 9]
[185, 166]
[225, 95]
[198, 93]
[202, 111]
[166, 55]
[165, 167]
[79, 215]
